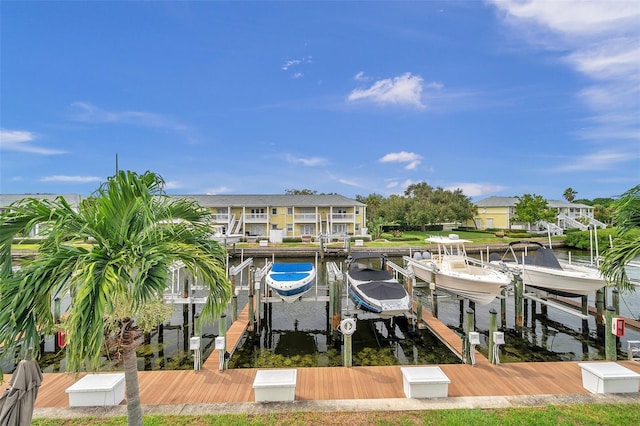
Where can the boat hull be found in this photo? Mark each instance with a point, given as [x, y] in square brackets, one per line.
[572, 281]
[479, 285]
[291, 281]
[364, 296]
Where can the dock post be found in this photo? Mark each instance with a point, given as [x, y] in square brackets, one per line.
[609, 338]
[251, 292]
[418, 308]
[585, 311]
[503, 308]
[434, 296]
[518, 288]
[469, 321]
[332, 305]
[615, 296]
[337, 300]
[222, 332]
[234, 308]
[599, 307]
[493, 326]
[347, 327]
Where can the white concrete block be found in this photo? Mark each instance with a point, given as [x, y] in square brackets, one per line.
[97, 390]
[608, 377]
[425, 382]
[275, 385]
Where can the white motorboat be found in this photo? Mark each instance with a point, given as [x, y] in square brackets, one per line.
[291, 280]
[545, 272]
[453, 271]
[220, 235]
[373, 288]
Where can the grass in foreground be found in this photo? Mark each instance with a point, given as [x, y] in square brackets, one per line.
[579, 414]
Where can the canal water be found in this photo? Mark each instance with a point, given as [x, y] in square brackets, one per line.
[299, 333]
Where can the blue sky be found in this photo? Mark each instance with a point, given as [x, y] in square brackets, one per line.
[495, 98]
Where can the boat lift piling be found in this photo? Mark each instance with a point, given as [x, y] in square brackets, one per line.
[493, 327]
[467, 356]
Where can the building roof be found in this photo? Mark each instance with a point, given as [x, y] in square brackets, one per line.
[8, 199]
[266, 200]
[273, 200]
[512, 201]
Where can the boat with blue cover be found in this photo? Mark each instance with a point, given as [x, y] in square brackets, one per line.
[291, 280]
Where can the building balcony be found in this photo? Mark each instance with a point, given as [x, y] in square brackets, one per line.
[220, 217]
[305, 217]
[342, 217]
[256, 218]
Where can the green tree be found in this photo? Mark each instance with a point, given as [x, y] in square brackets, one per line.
[626, 245]
[394, 210]
[531, 209]
[300, 192]
[375, 227]
[428, 205]
[112, 256]
[570, 194]
[373, 202]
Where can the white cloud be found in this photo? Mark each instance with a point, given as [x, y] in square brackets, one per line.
[475, 189]
[172, 184]
[218, 190]
[403, 90]
[602, 160]
[20, 140]
[71, 179]
[292, 63]
[311, 161]
[602, 42]
[412, 159]
[349, 183]
[89, 113]
[573, 18]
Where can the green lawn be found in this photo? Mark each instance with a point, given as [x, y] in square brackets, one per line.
[552, 415]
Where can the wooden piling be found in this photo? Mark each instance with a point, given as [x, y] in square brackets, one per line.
[469, 321]
[609, 337]
[493, 327]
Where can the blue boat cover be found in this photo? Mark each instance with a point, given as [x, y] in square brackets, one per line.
[292, 267]
[289, 276]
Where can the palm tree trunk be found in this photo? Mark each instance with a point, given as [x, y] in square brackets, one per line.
[134, 408]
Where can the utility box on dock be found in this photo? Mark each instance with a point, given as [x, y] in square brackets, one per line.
[608, 377]
[425, 382]
[97, 390]
[275, 385]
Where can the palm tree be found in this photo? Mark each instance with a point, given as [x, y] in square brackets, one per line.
[116, 248]
[626, 246]
[570, 194]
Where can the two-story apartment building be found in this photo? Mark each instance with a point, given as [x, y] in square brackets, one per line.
[287, 215]
[498, 212]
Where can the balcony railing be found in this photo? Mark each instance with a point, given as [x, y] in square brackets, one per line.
[256, 217]
[342, 217]
[306, 217]
[220, 217]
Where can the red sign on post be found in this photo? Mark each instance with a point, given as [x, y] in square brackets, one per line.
[617, 327]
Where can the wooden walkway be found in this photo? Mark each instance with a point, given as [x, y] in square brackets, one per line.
[334, 383]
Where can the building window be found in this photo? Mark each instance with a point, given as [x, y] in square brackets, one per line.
[289, 211]
[357, 210]
[274, 211]
[274, 226]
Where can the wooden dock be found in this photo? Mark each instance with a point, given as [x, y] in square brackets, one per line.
[209, 385]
